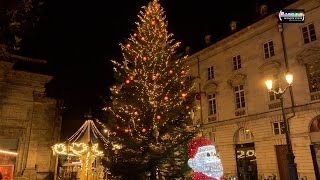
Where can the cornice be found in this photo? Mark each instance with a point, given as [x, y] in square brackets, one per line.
[309, 54]
[237, 79]
[28, 76]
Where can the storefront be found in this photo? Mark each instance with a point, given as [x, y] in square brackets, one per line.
[8, 149]
[315, 145]
[246, 162]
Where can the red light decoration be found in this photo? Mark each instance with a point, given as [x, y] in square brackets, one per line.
[126, 130]
[143, 130]
[127, 81]
[128, 45]
[158, 117]
[198, 97]
[170, 72]
[166, 98]
[133, 57]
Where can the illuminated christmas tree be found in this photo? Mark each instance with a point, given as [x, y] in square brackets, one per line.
[151, 103]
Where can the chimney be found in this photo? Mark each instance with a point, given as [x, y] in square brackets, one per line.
[188, 50]
[233, 25]
[263, 9]
[207, 39]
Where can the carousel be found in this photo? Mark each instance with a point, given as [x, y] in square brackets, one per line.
[81, 152]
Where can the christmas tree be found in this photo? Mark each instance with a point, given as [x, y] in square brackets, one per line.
[151, 103]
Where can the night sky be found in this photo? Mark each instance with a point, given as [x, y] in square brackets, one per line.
[79, 38]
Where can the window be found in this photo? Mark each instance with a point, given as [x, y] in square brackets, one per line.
[308, 33]
[239, 92]
[268, 49]
[313, 72]
[279, 128]
[210, 73]
[275, 81]
[236, 62]
[212, 137]
[244, 134]
[212, 104]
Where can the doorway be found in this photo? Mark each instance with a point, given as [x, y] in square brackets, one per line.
[281, 152]
[246, 162]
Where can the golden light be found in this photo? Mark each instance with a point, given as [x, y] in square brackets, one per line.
[154, 77]
[289, 78]
[131, 77]
[105, 130]
[166, 98]
[183, 94]
[143, 39]
[127, 81]
[136, 113]
[128, 45]
[8, 152]
[135, 34]
[170, 72]
[158, 117]
[144, 58]
[143, 130]
[269, 84]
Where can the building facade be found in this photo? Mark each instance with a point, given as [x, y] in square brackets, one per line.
[242, 117]
[30, 122]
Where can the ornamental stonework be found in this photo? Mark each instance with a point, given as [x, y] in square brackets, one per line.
[30, 122]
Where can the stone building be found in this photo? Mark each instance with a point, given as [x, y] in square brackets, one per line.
[30, 122]
[241, 116]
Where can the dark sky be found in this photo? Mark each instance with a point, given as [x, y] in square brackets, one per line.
[80, 37]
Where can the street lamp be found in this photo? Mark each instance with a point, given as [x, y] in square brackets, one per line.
[292, 166]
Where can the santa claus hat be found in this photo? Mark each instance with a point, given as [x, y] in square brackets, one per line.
[195, 144]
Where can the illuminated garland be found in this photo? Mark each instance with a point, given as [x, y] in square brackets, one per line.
[86, 150]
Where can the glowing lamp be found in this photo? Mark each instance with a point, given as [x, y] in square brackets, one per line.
[269, 84]
[289, 78]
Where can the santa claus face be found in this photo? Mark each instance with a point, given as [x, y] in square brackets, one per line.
[207, 162]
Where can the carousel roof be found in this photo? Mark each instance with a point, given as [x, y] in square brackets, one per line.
[87, 133]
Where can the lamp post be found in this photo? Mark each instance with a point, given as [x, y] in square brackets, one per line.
[292, 166]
